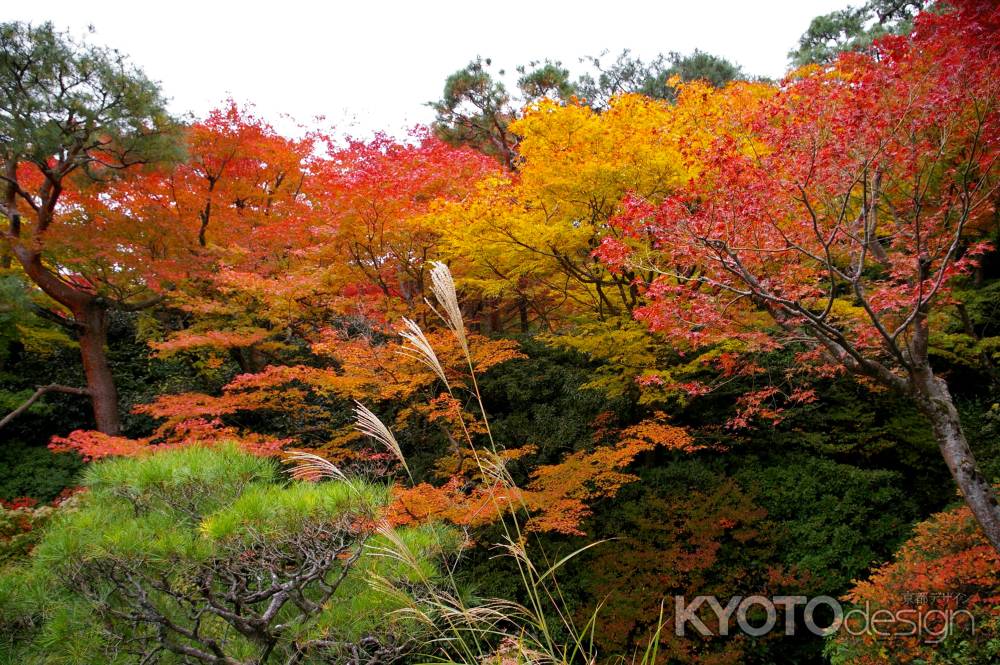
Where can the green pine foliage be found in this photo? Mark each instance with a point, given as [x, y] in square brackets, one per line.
[165, 552]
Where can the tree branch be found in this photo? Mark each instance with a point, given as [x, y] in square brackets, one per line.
[51, 388]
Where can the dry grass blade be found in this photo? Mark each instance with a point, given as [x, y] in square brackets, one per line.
[516, 550]
[313, 467]
[395, 547]
[420, 349]
[494, 467]
[443, 286]
[368, 424]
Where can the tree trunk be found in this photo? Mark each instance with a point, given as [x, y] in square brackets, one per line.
[934, 400]
[100, 383]
[90, 315]
[250, 359]
[10, 209]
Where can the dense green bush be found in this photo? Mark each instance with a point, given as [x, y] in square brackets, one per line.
[206, 555]
[832, 521]
[35, 471]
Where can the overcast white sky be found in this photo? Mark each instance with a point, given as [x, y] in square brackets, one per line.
[372, 65]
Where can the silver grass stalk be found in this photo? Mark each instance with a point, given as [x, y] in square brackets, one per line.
[494, 467]
[368, 424]
[443, 287]
[310, 466]
[420, 349]
[395, 547]
[408, 606]
[516, 550]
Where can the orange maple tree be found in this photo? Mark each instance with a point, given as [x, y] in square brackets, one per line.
[948, 576]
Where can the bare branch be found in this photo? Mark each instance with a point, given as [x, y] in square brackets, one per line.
[42, 390]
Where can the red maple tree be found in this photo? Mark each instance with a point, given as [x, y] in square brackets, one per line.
[838, 221]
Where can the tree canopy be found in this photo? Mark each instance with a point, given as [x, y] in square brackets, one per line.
[498, 390]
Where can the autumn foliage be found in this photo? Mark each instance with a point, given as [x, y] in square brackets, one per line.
[947, 573]
[655, 280]
[835, 224]
[786, 228]
[733, 222]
